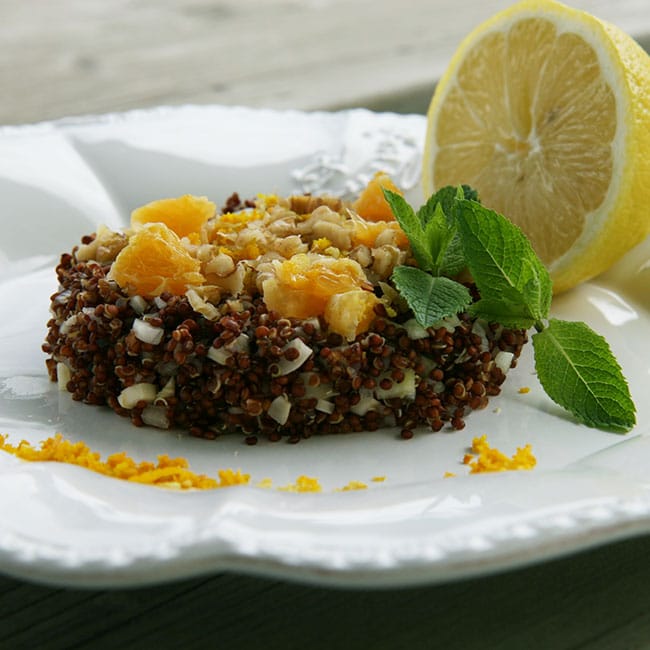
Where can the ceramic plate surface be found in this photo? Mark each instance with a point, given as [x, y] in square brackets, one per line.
[65, 525]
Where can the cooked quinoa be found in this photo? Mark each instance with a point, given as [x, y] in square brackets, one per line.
[280, 321]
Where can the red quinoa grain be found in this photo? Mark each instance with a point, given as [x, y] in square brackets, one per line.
[208, 384]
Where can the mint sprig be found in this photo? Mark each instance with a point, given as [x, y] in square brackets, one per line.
[453, 231]
[430, 297]
[515, 286]
[579, 372]
[432, 231]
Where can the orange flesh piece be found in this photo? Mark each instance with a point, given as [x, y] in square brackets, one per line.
[371, 204]
[304, 284]
[366, 233]
[184, 215]
[351, 313]
[155, 261]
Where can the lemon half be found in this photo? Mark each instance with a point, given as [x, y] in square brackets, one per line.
[545, 110]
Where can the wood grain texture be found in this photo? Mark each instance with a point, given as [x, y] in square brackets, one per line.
[596, 600]
[71, 57]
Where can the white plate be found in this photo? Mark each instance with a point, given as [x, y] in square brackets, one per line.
[65, 525]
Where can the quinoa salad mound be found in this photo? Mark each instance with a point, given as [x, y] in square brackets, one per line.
[274, 318]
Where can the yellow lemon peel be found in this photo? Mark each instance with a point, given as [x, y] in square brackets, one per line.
[545, 110]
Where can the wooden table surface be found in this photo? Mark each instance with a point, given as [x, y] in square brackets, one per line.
[597, 600]
[71, 57]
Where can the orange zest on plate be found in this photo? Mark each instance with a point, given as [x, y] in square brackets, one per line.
[168, 472]
[484, 458]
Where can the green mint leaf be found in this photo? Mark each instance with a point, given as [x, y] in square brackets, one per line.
[578, 371]
[432, 232]
[445, 197]
[437, 236]
[509, 314]
[470, 193]
[431, 298]
[453, 259]
[411, 225]
[432, 209]
[440, 231]
[503, 264]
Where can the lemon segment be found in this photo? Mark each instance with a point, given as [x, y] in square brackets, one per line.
[545, 111]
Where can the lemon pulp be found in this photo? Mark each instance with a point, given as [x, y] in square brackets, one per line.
[545, 110]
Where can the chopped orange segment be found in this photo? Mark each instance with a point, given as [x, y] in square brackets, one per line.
[303, 284]
[366, 233]
[371, 204]
[309, 285]
[351, 313]
[184, 215]
[155, 261]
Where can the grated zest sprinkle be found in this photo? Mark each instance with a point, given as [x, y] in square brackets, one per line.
[303, 484]
[489, 459]
[171, 473]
